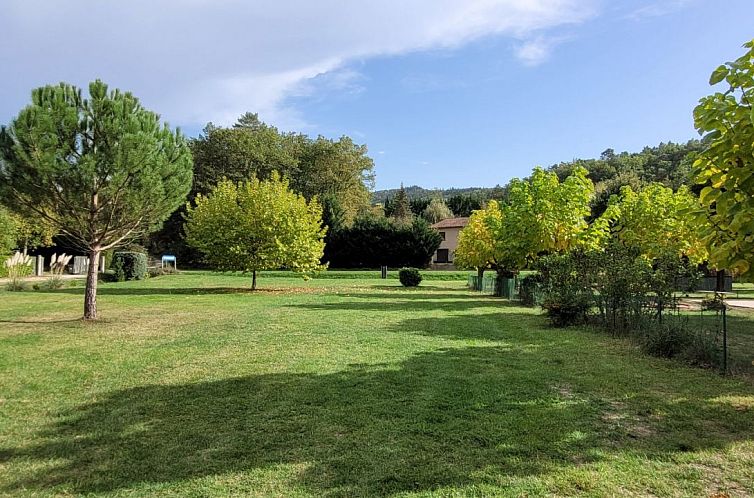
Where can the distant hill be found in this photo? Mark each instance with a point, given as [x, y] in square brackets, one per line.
[417, 192]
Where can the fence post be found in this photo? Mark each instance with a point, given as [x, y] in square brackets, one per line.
[40, 269]
[384, 271]
[725, 340]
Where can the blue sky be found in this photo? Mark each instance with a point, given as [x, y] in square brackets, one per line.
[444, 93]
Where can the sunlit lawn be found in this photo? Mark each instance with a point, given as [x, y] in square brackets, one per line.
[191, 386]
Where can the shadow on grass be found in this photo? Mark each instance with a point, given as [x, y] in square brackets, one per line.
[412, 301]
[113, 290]
[67, 320]
[448, 418]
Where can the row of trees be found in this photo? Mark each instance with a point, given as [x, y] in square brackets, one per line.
[555, 211]
[103, 171]
[336, 172]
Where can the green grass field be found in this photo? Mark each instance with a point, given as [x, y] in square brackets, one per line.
[190, 385]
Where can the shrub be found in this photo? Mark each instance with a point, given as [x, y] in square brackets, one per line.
[567, 296]
[674, 337]
[156, 272]
[567, 309]
[409, 277]
[129, 266]
[107, 276]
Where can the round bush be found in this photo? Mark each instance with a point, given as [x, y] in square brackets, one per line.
[129, 266]
[409, 277]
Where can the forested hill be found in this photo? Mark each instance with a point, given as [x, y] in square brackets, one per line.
[417, 192]
[668, 163]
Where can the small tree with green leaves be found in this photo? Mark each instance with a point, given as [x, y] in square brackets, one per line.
[257, 225]
[101, 170]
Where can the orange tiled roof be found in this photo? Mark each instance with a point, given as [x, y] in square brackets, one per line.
[452, 223]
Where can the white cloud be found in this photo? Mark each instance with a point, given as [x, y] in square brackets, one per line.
[536, 50]
[657, 9]
[201, 60]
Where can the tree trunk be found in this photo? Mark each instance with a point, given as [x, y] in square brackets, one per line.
[253, 280]
[720, 281]
[90, 295]
[479, 278]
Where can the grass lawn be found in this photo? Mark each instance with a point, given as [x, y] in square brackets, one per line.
[191, 386]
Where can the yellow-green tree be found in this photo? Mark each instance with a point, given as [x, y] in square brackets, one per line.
[655, 221]
[726, 166]
[476, 245]
[543, 215]
[257, 225]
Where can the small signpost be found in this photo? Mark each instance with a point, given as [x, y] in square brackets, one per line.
[167, 259]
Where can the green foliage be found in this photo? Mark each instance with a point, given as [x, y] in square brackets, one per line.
[655, 221]
[257, 225]
[373, 241]
[477, 249]
[409, 277]
[401, 210]
[668, 164]
[436, 211]
[465, 204]
[158, 272]
[135, 171]
[314, 166]
[541, 215]
[725, 168]
[102, 170]
[129, 265]
[8, 231]
[674, 337]
[567, 298]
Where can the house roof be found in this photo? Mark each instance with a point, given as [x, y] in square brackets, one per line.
[452, 223]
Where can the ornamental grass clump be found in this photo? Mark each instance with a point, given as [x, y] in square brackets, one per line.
[17, 267]
[57, 268]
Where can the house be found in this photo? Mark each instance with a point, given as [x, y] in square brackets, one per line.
[448, 229]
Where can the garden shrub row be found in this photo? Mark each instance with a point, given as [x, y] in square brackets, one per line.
[620, 292]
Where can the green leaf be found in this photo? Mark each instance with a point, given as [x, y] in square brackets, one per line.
[718, 75]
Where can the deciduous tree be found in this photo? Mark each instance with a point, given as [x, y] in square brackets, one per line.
[257, 225]
[726, 166]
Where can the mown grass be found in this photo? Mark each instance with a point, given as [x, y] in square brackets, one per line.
[189, 385]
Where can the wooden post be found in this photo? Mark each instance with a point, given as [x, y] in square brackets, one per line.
[40, 270]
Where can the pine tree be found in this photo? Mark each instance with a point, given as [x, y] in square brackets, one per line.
[101, 170]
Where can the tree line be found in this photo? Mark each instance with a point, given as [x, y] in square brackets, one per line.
[102, 171]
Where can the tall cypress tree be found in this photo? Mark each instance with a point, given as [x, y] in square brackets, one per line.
[402, 206]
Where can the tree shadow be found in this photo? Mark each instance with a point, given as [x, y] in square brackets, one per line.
[447, 418]
[155, 291]
[443, 299]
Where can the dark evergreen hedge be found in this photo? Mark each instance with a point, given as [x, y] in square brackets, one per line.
[374, 242]
[127, 265]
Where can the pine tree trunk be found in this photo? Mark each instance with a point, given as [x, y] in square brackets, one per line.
[254, 280]
[90, 295]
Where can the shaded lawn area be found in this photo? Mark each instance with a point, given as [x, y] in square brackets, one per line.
[190, 385]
